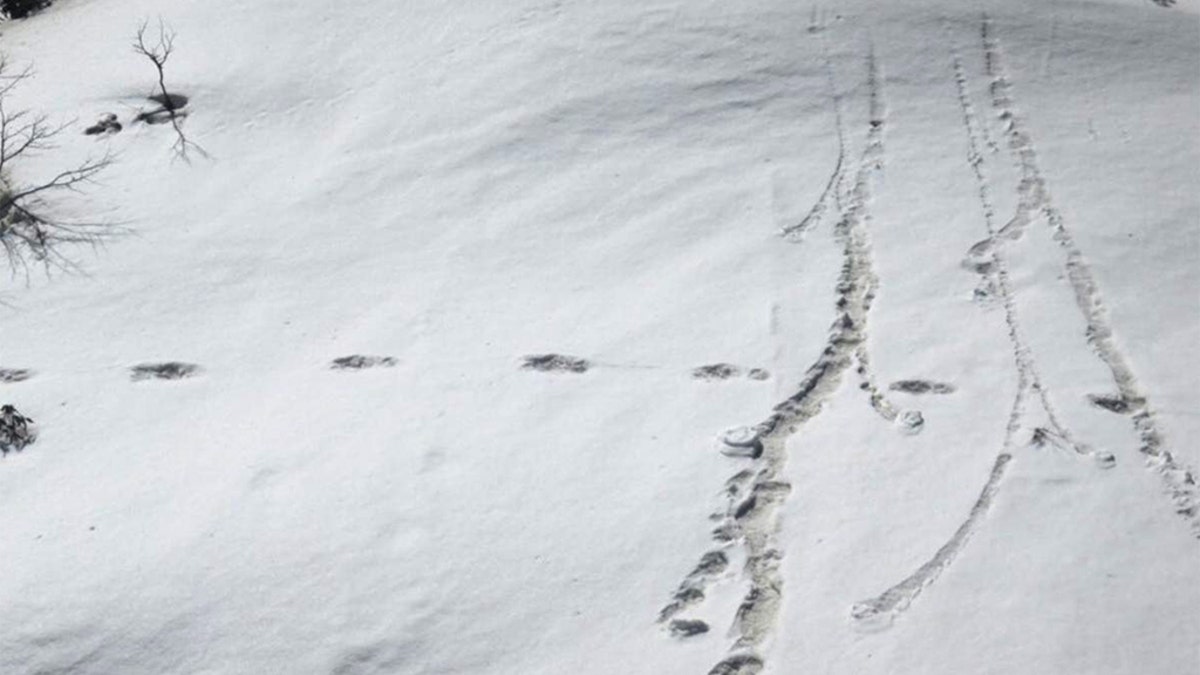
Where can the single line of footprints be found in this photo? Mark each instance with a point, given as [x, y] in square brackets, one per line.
[18, 431]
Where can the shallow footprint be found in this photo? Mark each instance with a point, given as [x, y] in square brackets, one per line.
[11, 375]
[549, 363]
[169, 370]
[359, 361]
[922, 387]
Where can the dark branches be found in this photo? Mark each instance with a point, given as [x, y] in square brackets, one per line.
[158, 51]
[29, 229]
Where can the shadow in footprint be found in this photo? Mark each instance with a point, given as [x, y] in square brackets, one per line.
[170, 370]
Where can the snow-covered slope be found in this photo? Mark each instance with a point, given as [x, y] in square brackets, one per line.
[991, 205]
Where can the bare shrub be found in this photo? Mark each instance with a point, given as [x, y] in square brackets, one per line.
[158, 51]
[31, 231]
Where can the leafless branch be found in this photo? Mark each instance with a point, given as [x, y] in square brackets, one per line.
[30, 230]
[158, 51]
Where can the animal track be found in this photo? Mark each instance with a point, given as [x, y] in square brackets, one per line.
[1177, 479]
[919, 387]
[738, 664]
[359, 362]
[716, 371]
[683, 628]
[170, 370]
[1113, 404]
[725, 371]
[879, 612]
[754, 494]
[989, 260]
[13, 375]
[556, 363]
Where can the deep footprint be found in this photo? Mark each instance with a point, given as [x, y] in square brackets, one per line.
[685, 628]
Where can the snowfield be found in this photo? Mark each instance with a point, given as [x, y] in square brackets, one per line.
[695, 337]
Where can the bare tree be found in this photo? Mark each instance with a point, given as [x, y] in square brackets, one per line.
[158, 51]
[30, 230]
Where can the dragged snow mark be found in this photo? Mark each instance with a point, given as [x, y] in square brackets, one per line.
[1178, 479]
[878, 613]
[989, 260]
[833, 187]
[14, 375]
[855, 235]
[919, 387]
[359, 362]
[169, 370]
[996, 270]
[755, 494]
[549, 363]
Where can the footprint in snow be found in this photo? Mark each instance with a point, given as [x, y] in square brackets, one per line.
[169, 370]
[919, 387]
[359, 362]
[725, 371]
[550, 363]
[12, 375]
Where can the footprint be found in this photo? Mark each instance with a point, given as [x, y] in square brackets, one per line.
[738, 664]
[716, 371]
[1114, 404]
[358, 362]
[11, 375]
[685, 628]
[742, 442]
[169, 370]
[548, 363]
[725, 371]
[922, 387]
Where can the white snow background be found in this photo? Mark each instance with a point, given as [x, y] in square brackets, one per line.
[460, 185]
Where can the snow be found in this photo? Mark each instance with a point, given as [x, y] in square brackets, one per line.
[461, 187]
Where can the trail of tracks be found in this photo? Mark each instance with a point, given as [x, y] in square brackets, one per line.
[1179, 481]
[755, 494]
[989, 260]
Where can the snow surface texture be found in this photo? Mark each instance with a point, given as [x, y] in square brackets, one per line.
[619, 337]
